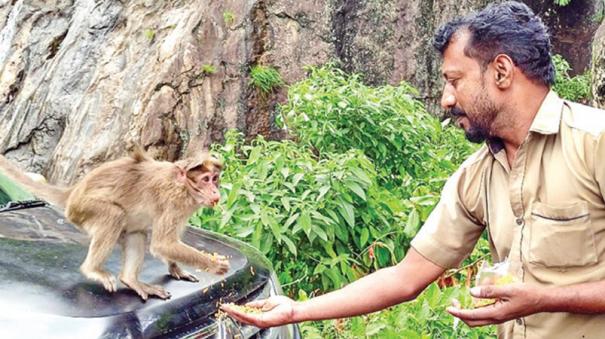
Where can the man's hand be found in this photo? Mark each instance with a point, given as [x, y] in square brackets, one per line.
[276, 311]
[514, 301]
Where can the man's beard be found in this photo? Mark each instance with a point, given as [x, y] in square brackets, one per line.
[480, 122]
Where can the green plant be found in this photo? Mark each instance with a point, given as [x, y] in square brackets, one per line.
[314, 218]
[562, 2]
[149, 34]
[13, 191]
[228, 17]
[333, 112]
[208, 69]
[575, 88]
[265, 78]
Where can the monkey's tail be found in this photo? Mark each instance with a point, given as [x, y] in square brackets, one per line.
[53, 194]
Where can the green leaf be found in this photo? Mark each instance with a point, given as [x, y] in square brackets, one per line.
[297, 178]
[285, 172]
[196, 221]
[374, 328]
[348, 212]
[341, 233]
[244, 231]
[286, 202]
[361, 175]
[320, 233]
[413, 223]
[291, 219]
[364, 236]
[256, 236]
[290, 245]
[353, 186]
[322, 191]
[305, 222]
[254, 155]
[226, 217]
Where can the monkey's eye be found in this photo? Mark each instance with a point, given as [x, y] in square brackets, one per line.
[206, 179]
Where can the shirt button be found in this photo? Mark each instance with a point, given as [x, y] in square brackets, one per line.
[519, 221]
[519, 321]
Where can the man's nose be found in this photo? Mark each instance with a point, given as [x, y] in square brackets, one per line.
[448, 100]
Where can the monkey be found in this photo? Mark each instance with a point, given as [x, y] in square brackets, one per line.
[117, 201]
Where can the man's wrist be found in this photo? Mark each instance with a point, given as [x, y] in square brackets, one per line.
[298, 311]
[549, 299]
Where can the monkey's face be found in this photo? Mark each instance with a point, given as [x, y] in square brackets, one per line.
[201, 178]
[205, 187]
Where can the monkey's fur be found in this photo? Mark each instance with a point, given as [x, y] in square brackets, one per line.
[117, 201]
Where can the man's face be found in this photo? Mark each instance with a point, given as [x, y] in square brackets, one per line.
[465, 95]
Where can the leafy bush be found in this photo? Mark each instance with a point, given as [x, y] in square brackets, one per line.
[335, 112]
[575, 88]
[313, 218]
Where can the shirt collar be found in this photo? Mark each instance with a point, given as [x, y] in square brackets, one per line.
[548, 118]
[546, 121]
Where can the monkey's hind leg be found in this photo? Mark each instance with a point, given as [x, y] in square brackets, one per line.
[133, 254]
[180, 274]
[104, 231]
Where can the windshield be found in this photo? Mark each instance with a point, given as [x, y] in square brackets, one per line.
[11, 191]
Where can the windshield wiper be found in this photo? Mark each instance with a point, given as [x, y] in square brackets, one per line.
[17, 205]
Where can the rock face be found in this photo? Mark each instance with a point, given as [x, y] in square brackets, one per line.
[597, 70]
[81, 80]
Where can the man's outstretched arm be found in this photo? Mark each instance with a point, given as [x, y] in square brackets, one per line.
[381, 289]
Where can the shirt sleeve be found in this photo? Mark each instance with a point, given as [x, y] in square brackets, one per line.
[451, 231]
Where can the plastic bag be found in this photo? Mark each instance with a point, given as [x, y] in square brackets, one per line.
[498, 274]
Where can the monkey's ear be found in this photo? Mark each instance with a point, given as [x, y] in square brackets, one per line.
[181, 174]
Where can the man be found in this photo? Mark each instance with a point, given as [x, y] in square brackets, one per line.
[537, 186]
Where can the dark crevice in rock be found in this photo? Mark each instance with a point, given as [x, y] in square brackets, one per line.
[345, 13]
[55, 45]
[217, 127]
[301, 19]
[427, 57]
[14, 88]
[261, 106]
[167, 84]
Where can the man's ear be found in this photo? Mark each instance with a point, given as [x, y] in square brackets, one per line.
[504, 68]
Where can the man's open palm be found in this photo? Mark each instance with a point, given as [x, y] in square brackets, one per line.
[276, 311]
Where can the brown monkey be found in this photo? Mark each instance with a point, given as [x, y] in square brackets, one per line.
[117, 201]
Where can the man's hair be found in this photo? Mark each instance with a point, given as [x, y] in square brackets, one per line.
[509, 28]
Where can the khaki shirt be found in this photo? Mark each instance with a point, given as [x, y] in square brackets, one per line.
[546, 213]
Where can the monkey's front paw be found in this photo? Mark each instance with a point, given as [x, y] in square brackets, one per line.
[110, 283]
[107, 279]
[220, 265]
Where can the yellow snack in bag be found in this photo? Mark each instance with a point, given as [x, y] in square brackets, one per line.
[498, 274]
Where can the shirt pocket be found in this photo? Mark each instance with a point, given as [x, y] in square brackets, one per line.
[561, 236]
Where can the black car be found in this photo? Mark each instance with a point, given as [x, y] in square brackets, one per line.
[44, 295]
